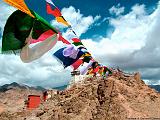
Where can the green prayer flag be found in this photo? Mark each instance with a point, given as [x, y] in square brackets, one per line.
[18, 28]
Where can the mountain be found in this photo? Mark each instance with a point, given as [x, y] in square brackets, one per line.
[118, 97]
[15, 85]
[40, 88]
[6, 87]
[156, 87]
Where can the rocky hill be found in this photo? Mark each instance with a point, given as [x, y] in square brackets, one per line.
[119, 97]
[13, 97]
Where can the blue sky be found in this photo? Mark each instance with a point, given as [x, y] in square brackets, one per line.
[93, 8]
[122, 33]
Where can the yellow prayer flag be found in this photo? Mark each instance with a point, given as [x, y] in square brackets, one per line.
[19, 4]
[61, 20]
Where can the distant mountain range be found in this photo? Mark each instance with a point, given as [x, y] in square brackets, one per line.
[7, 87]
[39, 88]
[156, 87]
[13, 85]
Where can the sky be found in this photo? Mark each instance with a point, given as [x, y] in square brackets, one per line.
[118, 33]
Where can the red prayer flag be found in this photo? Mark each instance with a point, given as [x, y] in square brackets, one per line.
[56, 12]
[61, 38]
[76, 40]
[76, 64]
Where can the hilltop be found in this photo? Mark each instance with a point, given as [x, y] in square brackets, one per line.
[118, 97]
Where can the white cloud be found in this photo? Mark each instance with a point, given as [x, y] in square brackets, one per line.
[46, 71]
[129, 35]
[79, 22]
[117, 10]
[134, 44]
[139, 9]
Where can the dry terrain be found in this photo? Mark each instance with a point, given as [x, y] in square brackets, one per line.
[119, 97]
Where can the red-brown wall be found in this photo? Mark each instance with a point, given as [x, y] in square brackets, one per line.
[33, 101]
